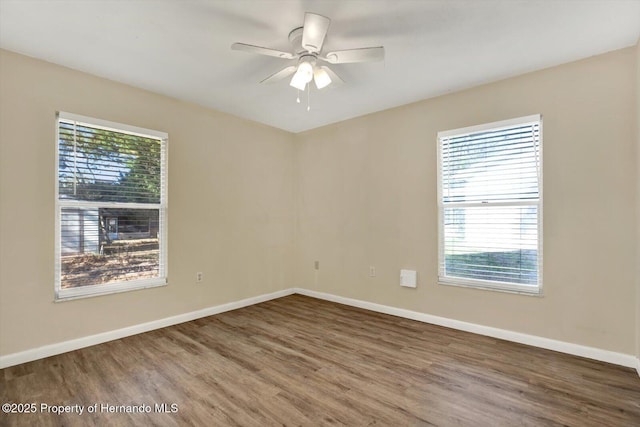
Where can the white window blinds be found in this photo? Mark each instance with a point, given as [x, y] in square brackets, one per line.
[490, 205]
[96, 164]
[111, 207]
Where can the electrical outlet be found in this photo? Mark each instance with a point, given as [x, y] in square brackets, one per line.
[316, 265]
[372, 271]
[199, 277]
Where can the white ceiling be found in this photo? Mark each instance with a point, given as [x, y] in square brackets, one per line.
[182, 48]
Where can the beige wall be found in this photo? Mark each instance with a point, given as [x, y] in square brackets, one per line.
[230, 205]
[366, 195]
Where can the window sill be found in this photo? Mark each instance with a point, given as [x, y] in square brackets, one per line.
[489, 286]
[108, 289]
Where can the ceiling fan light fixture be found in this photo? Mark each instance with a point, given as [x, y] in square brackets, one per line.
[321, 78]
[307, 44]
[298, 81]
[303, 75]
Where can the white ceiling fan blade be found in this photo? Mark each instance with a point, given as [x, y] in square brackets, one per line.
[365, 54]
[335, 79]
[284, 73]
[262, 50]
[314, 31]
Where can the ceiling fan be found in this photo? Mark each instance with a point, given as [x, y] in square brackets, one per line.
[307, 42]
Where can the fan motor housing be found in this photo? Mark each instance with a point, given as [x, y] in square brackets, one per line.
[295, 38]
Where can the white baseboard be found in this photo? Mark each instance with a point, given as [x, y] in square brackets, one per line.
[622, 359]
[75, 344]
[550, 344]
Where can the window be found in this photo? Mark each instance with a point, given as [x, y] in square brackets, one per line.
[111, 205]
[490, 205]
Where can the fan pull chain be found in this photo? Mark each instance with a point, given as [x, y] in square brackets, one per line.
[308, 97]
[298, 98]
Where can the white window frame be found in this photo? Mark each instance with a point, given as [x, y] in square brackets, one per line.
[122, 286]
[479, 283]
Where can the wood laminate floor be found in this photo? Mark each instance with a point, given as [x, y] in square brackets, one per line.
[301, 361]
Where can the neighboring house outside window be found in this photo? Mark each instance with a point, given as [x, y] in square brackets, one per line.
[111, 205]
[490, 206]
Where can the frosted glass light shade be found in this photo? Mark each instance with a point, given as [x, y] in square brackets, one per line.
[303, 75]
[321, 78]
